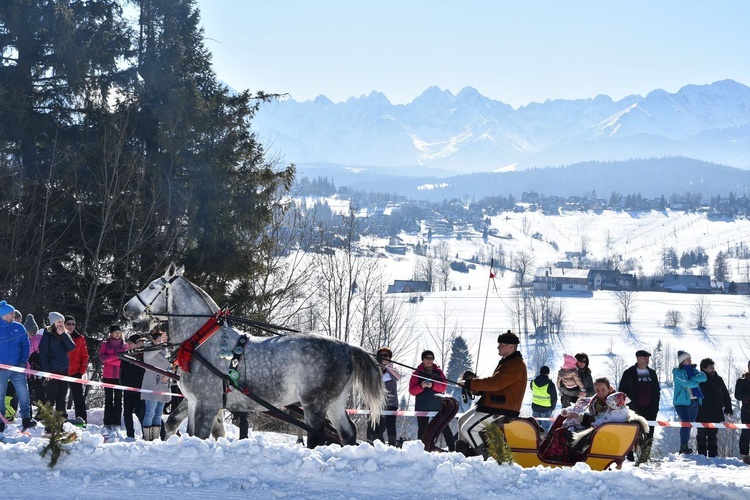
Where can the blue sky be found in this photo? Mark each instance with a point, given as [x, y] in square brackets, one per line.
[513, 51]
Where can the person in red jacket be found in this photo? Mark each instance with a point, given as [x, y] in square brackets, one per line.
[426, 382]
[79, 363]
[108, 353]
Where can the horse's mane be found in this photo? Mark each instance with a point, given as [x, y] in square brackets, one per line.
[211, 303]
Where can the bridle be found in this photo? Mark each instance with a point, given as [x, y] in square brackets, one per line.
[166, 284]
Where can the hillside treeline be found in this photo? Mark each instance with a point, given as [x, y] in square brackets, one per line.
[120, 151]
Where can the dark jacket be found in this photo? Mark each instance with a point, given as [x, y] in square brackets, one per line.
[541, 381]
[629, 385]
[53, 351]
[588, 381]
[425, 398]
[716, 400]
[742, 393]
[391, 386]
[502, 393]
[131, 375]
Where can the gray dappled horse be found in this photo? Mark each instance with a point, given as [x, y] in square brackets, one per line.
[316, 371]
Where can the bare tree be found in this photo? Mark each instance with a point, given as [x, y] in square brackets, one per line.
[626, 305]
[425, 269]
[701, 312]
[673, 318]
[444, 331]
[339, 271]
[441, 254]
[616, 364]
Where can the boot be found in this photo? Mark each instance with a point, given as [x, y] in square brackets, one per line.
[392, 440]
[146, 433]
[685, 450]
[29, 423]
[464, 447]
[745, 459]
[155, 433]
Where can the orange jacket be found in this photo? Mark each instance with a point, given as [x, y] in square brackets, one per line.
[502, 393]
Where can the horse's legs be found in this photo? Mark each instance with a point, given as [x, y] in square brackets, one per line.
[315, 418]
[176, 417]
[340, 419]
[204, 419]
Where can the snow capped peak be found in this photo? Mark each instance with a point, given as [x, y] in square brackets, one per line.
[322, 100]
[470, 132]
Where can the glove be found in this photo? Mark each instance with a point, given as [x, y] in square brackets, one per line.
[468, 375]
[466, 395]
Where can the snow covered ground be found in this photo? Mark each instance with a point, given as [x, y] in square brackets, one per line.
[272, 465]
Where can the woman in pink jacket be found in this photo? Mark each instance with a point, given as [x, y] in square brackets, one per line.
[108, 354]
[426, 382]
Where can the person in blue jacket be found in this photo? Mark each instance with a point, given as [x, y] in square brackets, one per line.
[687, 396]
[14, 351]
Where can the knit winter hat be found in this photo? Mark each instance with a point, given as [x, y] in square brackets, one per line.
[114, 328]
[682, 356]
[30, 324]
[568, 362]
[544, 370]
[6, 308]
[54, 317]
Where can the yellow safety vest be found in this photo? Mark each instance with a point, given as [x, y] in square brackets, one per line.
[540, 396]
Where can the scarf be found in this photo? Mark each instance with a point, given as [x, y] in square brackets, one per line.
[690, 370]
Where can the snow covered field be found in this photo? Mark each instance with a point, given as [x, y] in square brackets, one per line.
[272, 465]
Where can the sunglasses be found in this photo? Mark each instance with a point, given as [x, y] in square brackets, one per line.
[70, 323]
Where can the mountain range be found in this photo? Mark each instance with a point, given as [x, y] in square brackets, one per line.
[469, 132]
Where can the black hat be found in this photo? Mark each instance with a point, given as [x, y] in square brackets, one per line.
[641, 353]
[544, 370]
[427, 353]
[115, 328]
[68, 317]
[135, 338]
[508, 338]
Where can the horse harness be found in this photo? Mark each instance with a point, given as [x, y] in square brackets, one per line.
[188, 350]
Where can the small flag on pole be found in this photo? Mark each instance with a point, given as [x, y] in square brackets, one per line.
[492, 265]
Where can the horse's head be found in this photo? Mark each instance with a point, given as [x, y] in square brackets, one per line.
[150, 305]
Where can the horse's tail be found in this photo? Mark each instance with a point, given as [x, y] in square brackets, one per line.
[368, 379]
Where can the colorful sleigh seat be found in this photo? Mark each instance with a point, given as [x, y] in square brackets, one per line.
[610, 443]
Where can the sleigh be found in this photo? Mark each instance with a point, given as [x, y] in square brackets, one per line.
[610, 444]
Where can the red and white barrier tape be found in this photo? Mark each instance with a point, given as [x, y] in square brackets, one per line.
[398, 413]
[75, 380]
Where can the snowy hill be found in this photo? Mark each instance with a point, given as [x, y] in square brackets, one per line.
[468, 132]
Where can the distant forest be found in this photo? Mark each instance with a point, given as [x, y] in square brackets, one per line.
[651, 178]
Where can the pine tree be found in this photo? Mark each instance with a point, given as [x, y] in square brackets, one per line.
[459, 361]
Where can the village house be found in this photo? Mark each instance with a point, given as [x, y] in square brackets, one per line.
[555, 279]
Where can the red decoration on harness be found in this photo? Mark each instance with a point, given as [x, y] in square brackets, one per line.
[185, 352]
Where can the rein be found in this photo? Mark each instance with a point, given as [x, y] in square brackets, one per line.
[274, 411]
